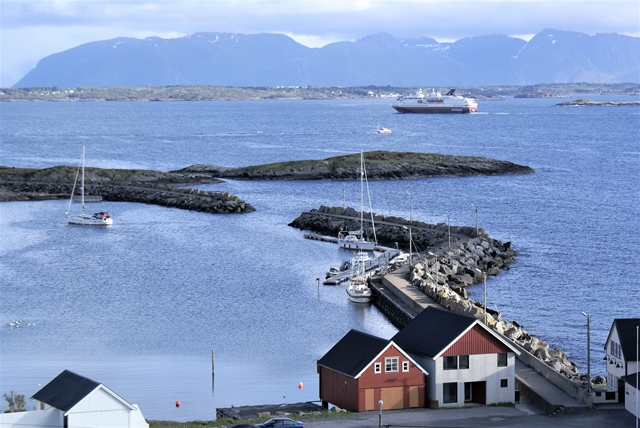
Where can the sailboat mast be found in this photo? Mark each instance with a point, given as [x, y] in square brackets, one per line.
[82, 187]
[361, 195]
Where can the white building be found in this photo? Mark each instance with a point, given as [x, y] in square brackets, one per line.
[622, 361]
[467, 362]
[74, 401]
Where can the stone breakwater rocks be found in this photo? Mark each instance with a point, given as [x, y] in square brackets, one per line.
[442, 279]
[458, 265]
[164, 195]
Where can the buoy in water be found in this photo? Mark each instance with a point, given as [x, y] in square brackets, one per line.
[300, 385]
[177, 404]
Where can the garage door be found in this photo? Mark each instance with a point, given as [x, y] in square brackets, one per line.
[392, 398]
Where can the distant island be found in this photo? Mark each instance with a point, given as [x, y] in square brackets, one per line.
[588, 102]
[214, 93]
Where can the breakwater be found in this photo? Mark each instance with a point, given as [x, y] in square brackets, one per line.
[166, 195]
[442, 269]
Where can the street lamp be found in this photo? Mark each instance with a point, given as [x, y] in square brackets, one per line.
[476, 219]
[380, 415]
[448, 224]
[410, 206]
[485, 294]
[410, 250]
[588, 355]
[435, 268]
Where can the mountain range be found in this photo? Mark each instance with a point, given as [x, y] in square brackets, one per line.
[225, 59]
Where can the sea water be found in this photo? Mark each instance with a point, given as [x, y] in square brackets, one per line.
[147, 305]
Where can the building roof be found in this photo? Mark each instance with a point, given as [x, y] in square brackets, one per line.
[626, 328]
[353, 353]
[66, 390]
[432, 331]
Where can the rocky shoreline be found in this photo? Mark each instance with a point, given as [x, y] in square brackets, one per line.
[443, 277]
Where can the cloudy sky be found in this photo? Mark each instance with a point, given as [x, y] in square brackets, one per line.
[33, 29]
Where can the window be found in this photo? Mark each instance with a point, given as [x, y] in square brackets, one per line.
[502, 360]
[450, 392]
[463, 361]
[405, 366]
[391, 365]
[377, 368]
[504, 383]
[450, 363]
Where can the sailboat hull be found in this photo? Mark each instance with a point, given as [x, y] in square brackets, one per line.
[85, 220]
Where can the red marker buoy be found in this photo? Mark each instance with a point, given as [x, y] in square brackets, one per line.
[299, 385]
[177, 404]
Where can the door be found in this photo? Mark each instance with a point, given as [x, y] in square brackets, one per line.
[392, 398]
[369, 402]
[414, 396]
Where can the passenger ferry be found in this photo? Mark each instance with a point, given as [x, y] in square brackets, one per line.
[435, 102]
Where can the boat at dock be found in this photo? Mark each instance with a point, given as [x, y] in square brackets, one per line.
[354, 239]
[358, 291]
[101, 218]
[435, 102]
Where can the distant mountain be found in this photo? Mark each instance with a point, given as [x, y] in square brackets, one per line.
[224, 59]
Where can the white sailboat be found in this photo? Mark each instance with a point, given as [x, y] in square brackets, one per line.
[358, 291]
[354, 239]
[97, 219]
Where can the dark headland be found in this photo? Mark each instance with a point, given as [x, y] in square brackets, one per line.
[172, 188]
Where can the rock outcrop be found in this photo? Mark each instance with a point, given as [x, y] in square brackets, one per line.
[149, 187]
[380, 165]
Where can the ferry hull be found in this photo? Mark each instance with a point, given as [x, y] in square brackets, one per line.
[434, 109]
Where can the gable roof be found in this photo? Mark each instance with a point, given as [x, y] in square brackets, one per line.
[626, 328]
[353, 353]
[433, 330]
[68, 389]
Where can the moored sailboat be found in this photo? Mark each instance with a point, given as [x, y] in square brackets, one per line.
[358, 291]
[97, 219]
[354, 239]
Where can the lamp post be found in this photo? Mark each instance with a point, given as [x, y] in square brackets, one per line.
[344, 195]
[435, 268]
[380, 415]
[588, 355]
[410, 249]
[449, 233]
[410, 206]
[476, 219]
[484, 275]
[637, 370]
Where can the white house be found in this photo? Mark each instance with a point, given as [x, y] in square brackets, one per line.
[467, 362]
[74, 401]
[622, 361]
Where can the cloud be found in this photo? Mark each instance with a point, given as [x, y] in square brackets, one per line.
[33, 29]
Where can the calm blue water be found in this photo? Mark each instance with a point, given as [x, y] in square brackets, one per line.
[141, 305]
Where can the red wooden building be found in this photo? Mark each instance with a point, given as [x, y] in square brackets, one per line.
[361, 369]
[440, 359]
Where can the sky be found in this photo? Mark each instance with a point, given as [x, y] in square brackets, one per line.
[33, 29]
